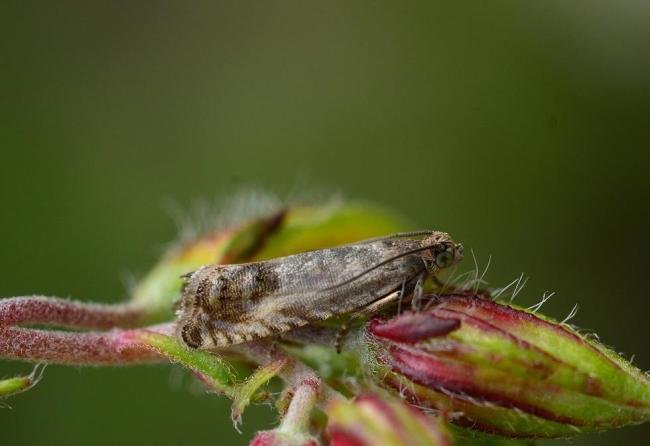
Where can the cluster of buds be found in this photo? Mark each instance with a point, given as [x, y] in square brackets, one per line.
[461, 360]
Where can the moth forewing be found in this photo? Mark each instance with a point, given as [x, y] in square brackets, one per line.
[223, 305]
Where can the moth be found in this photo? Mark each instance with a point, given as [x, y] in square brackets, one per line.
[223, 305]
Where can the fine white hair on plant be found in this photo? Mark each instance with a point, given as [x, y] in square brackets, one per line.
[496, 294]
[485, 270]
[571, 315]
[545, 297]
[588, 334]
[37, 373]
[450, 277]
[521, 283]
[478, 279]
[476, 268]
[460, 279]
[203, 215]
[425, 409]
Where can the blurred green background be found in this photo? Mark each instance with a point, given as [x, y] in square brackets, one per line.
[520, 127]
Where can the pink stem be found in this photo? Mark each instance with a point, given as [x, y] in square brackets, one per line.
[299, 412]
[115, 347]
[66, 313]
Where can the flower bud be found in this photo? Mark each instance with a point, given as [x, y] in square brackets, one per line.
[504, 370]
[369, 420]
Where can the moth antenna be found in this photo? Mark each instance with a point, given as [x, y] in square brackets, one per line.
[396, 235]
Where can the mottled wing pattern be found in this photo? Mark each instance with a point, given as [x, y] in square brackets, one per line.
[230, 304]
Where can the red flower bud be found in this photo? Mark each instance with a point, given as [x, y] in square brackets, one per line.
[504, 370]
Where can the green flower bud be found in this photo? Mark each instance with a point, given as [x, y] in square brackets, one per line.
[504, 370]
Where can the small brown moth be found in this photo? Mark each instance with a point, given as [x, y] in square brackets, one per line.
[222, 305]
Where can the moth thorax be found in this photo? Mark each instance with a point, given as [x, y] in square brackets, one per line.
[436, 238]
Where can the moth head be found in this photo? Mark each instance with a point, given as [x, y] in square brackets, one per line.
[448, 254]
[443, 252]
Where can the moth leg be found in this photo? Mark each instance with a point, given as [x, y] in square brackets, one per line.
[364, 313]
[418, 290]
[400, 298]
[378, 305]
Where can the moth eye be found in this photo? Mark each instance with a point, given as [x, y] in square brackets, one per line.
[444, 259]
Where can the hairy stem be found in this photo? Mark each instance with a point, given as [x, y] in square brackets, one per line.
[58, 312]
[114, 347]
